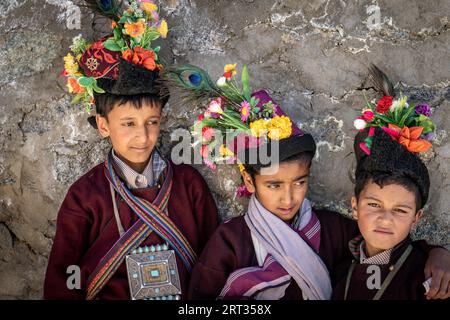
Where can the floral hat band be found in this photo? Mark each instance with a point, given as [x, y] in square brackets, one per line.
[408, 124]
[235, 122]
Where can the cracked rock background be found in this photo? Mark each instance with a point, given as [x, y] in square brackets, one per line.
[311, 55]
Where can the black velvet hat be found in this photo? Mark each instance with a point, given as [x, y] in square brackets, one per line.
[390, 157]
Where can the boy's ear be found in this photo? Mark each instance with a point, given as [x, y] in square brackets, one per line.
[418, 216]
[354, 208]
[102, 125]
[248, 181]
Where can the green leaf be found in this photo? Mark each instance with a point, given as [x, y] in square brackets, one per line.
[97, 88]
[405, 116]
[121, 43]
[90, 91]
[124, 18]
[77, 98]
[383, 118]
[85, 81]
[245, 83]
[117, 34]
[156, 50]
[111, 44]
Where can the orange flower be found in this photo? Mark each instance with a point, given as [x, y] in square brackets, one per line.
[136, 29]
[113, 24]
[140, 57]
[409, 137]
[73, 86]
[127, 55]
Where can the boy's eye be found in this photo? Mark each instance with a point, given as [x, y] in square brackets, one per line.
[300, 183]
[152, 122]
[400, 211]
[273, 186]
[373, 205]
[129, 124]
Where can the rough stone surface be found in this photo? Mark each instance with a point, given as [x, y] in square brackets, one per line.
[311, 55]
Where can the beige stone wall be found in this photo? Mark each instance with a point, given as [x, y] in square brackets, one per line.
[312, 55]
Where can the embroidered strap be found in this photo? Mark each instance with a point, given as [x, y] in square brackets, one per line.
[154, 217]
[386, 281]
[139, 232]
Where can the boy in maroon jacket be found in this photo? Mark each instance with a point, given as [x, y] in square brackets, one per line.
[133, 226]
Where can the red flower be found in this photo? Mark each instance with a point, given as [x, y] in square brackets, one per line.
[200, 117]
[228, 74]
[384, 104]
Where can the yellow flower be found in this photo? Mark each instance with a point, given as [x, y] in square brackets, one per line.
[241, 167]
[279, 127]
[70, 65]
[136, 29]
[162, 28]
[149, 6]
[230, 68]
[225, 152]
[258, 127]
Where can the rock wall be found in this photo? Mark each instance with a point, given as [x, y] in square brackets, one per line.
[312, 55]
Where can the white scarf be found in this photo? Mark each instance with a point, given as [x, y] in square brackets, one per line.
[273, 236]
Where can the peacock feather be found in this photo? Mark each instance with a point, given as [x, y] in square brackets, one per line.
[381, 81]
[108, 8]
[193, 83]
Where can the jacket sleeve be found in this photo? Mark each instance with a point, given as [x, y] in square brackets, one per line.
[69, 245]
[206, 214]
[215, 264]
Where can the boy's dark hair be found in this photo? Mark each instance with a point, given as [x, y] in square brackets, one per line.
[383, 179]
[303, 157]
[105, 102]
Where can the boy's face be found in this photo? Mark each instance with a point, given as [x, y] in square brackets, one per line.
[385, 215]
[281, 192]
[133, 132]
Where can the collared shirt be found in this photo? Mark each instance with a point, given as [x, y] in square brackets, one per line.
[148, 178]
[357, 246]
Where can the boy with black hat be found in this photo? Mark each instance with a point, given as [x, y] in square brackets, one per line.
[282, 248]
[133, 225]
[391, 190]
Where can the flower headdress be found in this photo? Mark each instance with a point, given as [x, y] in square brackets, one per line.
[122, 63]
[408, 124]
[236, 121]
[391, 135]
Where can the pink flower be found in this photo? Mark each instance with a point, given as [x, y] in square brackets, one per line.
[200, 117]
[242, 191]
[215, 107]
[207, 134]
[245, 111]
[204, 151]
[364, 148]
[367, 115]
[210, 164]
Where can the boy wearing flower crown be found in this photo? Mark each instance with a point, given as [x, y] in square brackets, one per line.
[392, 187]
[131, 227]
[282, 248]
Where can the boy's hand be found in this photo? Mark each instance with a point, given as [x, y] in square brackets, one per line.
[438, 267]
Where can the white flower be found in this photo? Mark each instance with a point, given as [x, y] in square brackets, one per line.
[359, 124]
[399, 103]
[215, 106]
[221, 82]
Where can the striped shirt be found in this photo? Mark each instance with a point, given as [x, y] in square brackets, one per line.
[357, 246]
[148, 178]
